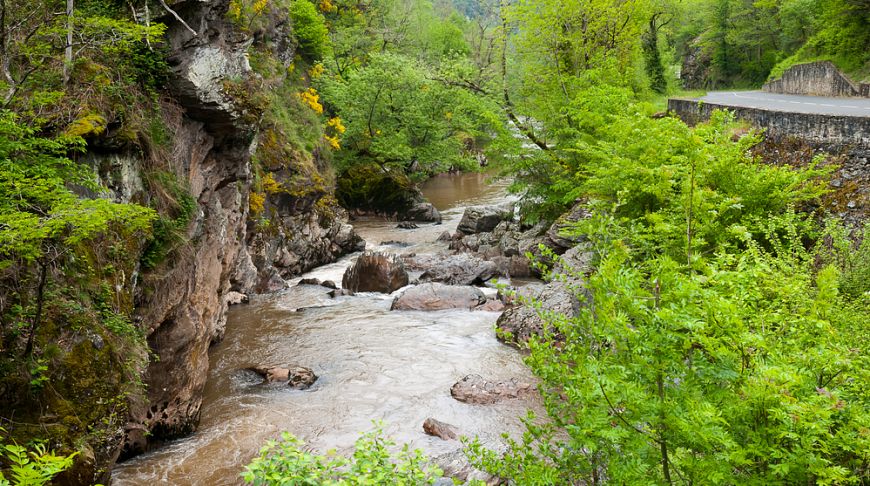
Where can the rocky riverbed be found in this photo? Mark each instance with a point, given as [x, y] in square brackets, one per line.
[324, 363]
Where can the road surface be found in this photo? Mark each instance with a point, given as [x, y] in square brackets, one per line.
[791, 103]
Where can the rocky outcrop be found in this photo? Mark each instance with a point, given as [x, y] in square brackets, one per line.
[375, 272]
[509, 243]
[477, 390]
[437, 296]
[695, 71]
[182, 303]
[535, 303]
[459, 269]
[480, 219]
[302, 238]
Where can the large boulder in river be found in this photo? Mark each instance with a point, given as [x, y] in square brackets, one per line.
[460, 269]
[476, 389]
[481, 219]
[375, 272]
[437, 296]
[423, 211]
[518, 323]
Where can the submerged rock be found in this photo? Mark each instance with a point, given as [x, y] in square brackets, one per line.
[475, 389]
[294, 376]
[437, 428]
[437, 296]
[407, 225]
[375, 272]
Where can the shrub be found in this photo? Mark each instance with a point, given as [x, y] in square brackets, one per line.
[284, 462]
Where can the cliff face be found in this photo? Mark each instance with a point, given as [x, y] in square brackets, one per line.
[182, 302]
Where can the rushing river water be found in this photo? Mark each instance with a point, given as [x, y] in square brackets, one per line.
[373, 364]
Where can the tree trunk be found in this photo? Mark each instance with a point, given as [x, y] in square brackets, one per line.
[68, 52]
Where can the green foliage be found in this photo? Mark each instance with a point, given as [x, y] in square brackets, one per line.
[285, 462]
[309, 28]
[31, 467]
[36, 206]
[170, 228]
[725, 339]
[396, 115]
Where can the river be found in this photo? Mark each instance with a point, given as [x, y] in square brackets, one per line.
[373, 364]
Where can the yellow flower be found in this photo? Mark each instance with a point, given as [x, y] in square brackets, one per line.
[316, 70]
[335, 123]
[327, 6]
[270, 185]
[255, 202]
[333, 142]
[260, 5]
[312, 99]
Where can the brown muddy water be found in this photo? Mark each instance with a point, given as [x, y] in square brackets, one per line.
[373, 364]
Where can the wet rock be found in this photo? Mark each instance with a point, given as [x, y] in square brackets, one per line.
[309, 281]
[455, 465]
[407, 225]
[375, 272]
[461, 269]
[437, 296]
[445, 236]
[235, 298]
[339, 293]
[518, 323]
[556, 239]
[484, 218]
[298, 377]
[329, 284]
[475, 389]
[423, 211]
[440, 429]
[491, 305]
[400, 244]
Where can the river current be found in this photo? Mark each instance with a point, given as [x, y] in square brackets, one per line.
[373, 364]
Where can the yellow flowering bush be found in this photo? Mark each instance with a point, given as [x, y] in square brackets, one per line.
[327, 6]
[270, 185]
[256, 202]
[312, 99]
[333, 142]
[335, 124]
[316, 70]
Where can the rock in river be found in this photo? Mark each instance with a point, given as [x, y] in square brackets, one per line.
[484, 218]
[475, 389]
[375, 272]
[521, 321]
[440, 429]
[298, 377]
[460, 269]
[437, 296]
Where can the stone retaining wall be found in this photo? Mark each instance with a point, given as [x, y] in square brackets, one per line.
[820, 78]
[824, 131]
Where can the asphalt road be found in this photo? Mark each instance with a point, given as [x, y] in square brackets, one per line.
[791, 103]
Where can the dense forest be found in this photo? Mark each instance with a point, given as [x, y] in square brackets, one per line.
[727, 336]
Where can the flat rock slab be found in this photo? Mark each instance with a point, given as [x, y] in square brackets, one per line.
[475, 389]
[437, 296]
